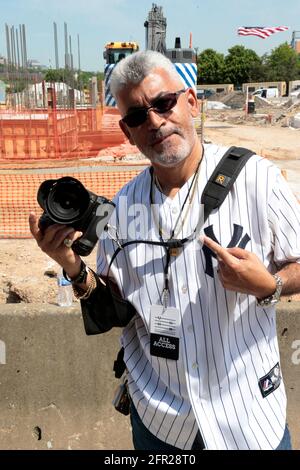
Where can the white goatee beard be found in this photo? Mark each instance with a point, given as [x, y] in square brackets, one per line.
[169, 157]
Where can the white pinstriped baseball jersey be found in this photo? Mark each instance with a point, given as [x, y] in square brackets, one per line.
[227, 342]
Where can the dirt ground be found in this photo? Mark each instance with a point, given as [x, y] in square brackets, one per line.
[277, 141]
[28, 275]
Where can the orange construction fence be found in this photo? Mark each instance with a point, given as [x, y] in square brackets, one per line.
[18, 195]
[57, 133]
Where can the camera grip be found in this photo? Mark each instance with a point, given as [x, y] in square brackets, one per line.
[98, 220]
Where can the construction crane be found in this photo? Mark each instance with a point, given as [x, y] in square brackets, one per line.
[156, 29]
[184, 59]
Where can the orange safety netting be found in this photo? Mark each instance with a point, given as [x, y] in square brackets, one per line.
[57, 133]
[18, 195]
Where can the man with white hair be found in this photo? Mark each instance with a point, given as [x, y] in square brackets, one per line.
[201, 351]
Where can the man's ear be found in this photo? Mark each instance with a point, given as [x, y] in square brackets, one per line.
[126, 132]
[193, 102]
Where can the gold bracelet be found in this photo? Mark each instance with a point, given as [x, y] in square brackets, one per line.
[80, 294]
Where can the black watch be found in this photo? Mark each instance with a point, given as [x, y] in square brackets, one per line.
[81, 278]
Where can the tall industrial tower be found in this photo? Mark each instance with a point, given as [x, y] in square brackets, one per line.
[156, 27]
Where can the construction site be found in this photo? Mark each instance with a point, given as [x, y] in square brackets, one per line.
[50, 130]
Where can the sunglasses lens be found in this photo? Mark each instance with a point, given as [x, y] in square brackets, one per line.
[161, 105]
[136, 118]
[166, 103]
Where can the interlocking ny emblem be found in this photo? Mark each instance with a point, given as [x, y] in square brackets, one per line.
[235, 241]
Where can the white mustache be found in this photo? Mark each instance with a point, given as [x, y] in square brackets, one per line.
[161, 134]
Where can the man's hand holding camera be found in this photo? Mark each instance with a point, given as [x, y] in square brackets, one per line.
[51, 241]
[67, 229]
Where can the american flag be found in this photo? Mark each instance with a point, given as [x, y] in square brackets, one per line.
[260, 31]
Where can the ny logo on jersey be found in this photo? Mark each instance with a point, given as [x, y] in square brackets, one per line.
[236, 241]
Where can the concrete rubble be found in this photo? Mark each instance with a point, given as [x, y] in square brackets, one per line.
[283, 111]
[295, 121]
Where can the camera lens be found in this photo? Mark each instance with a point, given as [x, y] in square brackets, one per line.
[67, 201]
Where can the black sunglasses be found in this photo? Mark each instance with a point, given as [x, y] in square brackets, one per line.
[161, 105]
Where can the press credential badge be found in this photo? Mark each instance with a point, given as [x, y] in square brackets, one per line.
[164, 332]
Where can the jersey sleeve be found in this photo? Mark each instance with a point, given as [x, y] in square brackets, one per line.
[284, 221]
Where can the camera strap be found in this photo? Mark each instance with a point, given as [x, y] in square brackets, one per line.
[220, 183]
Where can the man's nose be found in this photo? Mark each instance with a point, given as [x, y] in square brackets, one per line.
[154, 119]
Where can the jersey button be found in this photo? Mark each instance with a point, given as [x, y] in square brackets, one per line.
[184, 289]
[190, 328]
[195, 365]
[174, 210]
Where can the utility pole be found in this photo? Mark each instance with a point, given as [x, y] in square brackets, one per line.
[22, 47]
[8, 46]
[56, 46]
[78, 46]
[18, 51]
[66, 47]
[196, 51]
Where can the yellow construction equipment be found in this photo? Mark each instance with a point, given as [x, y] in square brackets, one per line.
[116, 51]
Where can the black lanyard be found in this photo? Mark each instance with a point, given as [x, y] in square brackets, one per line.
[170, 244]
[166, 243]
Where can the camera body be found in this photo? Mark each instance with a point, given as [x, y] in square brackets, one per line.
[66, 201]
[121, 399]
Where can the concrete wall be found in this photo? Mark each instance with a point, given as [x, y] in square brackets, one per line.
[57, 381]
[57, 384]
[294, 85]
[256, 85]
[226, 87]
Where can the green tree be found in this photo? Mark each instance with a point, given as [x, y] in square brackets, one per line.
[283, 64]
[53, 75]
[241, 65]
[17, 87]
[84, 78]
[60, 75]
[210, 65]
[74, 79]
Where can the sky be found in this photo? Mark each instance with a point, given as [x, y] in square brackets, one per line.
[213, 24]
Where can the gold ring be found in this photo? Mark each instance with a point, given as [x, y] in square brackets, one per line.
[68, 242]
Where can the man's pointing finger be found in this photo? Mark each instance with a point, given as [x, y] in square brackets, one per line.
[222, 253]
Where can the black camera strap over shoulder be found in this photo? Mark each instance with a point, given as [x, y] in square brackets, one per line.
[104, 310]
[223, 177]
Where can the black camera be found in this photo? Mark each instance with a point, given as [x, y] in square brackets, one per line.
[121, 399]
[66, 201]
